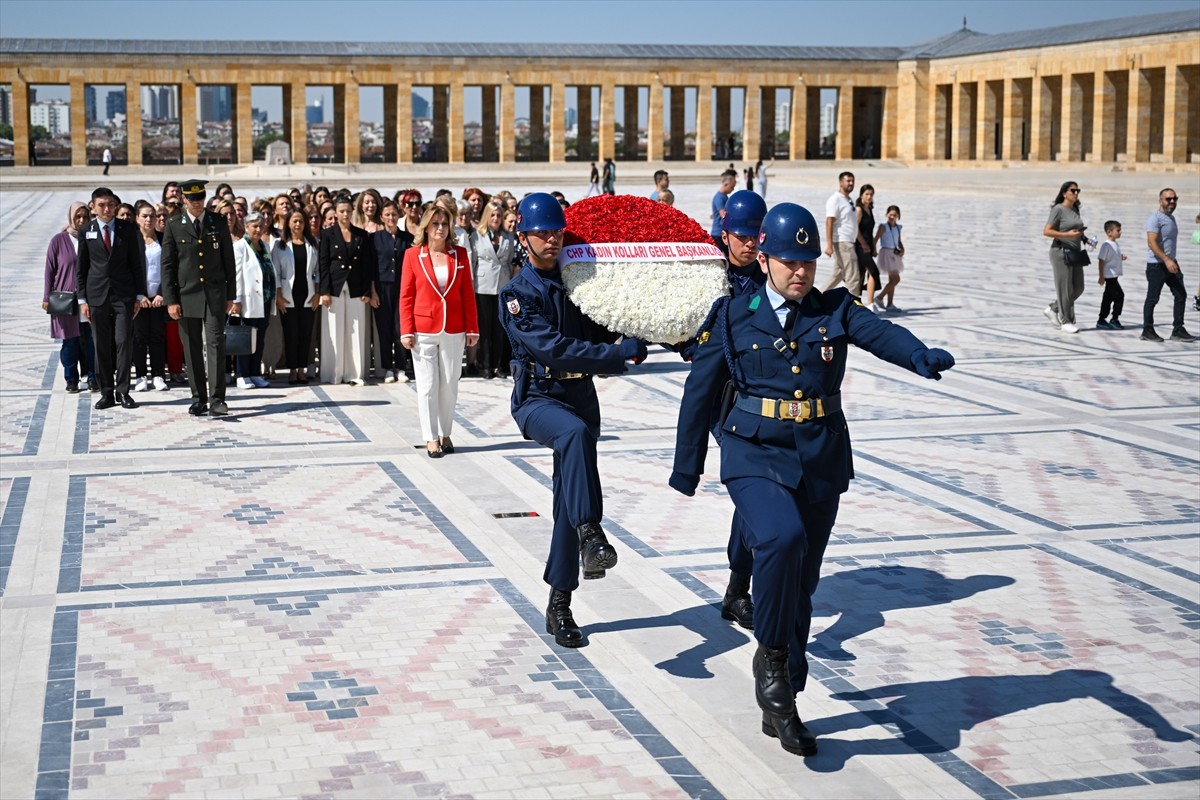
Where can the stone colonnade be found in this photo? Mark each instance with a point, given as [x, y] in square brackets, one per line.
[1134, 100]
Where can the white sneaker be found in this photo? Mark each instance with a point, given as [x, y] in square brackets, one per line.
[1070, 327]
[142, 385]
[357, 382]
[160, 384]
[878, 309]
[243, 383]
[404, 378]
[1052, 315]
[389, 377]
[260, 382]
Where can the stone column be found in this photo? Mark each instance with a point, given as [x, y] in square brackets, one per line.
[844, 150]
[1175, 116]
[1040, 124]
[440, 120]
[584, 124]
[390, 98]
[629, 150]
[985, 123]
[352, 149]
[721, 116]
[189, 113]
[890, 130]
[1070, 146]
[1137, 151]
[654, 121]
[798, 135]
[79, 124]
[1014, 110]
[608, 93]
[20, 121]
[455, 133]
[751, 123]
[296, 101]
[133, 123]
[766, 150]
[537, 122]
[404, 138]
[678, 121]
[1104, 121]
[558, 123]
[508, 136]
[962, 123]
[489, 132]
[704, 122]
[243, 124]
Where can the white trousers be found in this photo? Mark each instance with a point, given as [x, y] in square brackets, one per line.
[437, 365]
[344, 331]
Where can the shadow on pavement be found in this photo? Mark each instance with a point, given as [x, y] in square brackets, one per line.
[931, 716]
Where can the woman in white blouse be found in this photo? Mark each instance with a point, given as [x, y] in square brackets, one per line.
[259, 292]
[150, 325]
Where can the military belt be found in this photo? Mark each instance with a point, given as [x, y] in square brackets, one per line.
[541, 371]
[795, 410]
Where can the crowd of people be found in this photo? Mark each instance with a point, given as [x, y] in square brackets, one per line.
[336, 285]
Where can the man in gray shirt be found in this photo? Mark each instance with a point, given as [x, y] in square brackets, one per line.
[1162, 232]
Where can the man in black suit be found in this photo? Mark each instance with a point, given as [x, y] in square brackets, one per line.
[111, 276]
[199, 284]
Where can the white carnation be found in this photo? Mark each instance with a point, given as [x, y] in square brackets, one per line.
[663, 301]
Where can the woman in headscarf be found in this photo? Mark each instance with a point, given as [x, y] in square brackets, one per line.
[76, 354]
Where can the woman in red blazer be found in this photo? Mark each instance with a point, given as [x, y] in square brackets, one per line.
[437, 318]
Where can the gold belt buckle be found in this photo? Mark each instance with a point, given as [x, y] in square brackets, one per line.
[570, 376]
[797, 410]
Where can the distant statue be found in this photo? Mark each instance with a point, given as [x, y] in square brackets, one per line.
[279, 153]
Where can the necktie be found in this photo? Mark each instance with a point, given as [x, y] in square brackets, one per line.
[197, 226]
[793, 307]
[107, 239]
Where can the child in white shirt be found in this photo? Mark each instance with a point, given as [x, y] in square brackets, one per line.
[1110, 259]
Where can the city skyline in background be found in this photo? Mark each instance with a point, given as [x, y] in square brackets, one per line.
[875, 23]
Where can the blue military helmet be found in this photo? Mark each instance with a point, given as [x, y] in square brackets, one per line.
[790, 232]
[540, 212]
[744, 212]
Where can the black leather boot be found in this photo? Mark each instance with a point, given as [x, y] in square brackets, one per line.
[559, 621]
[772, 687]
[597, 554]
[791, 733]
[737, 605]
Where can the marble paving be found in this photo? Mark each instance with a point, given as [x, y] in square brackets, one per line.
[295, 602]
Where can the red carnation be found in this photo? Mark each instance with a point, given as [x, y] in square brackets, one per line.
[626, 218]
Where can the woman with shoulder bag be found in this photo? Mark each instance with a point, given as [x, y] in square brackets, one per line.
[864, 245]
[891, 259]
[1067, 257]
[76, 334]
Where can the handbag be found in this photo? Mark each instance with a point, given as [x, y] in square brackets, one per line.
[899, 248]
[1076, 258]
[240, 339]
[63, 304]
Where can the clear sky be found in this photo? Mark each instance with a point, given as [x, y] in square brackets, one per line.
[733, 22]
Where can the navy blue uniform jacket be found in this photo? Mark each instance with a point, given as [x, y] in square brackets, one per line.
[770, 365]
[546, 329]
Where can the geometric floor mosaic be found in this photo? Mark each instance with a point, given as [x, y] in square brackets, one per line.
[294, 601]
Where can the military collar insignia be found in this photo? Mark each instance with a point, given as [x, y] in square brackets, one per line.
[754, 302]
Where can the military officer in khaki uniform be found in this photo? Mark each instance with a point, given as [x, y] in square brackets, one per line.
[199, 285]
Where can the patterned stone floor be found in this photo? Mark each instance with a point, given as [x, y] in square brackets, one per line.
[295, 602]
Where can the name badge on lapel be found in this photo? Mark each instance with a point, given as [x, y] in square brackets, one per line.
[93, 235]
[827, 353]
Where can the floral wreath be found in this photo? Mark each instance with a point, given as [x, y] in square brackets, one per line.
[639, 267]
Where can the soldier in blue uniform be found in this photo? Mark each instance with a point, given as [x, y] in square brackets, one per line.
[556, 351]
[744, 212]
[785, 448]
